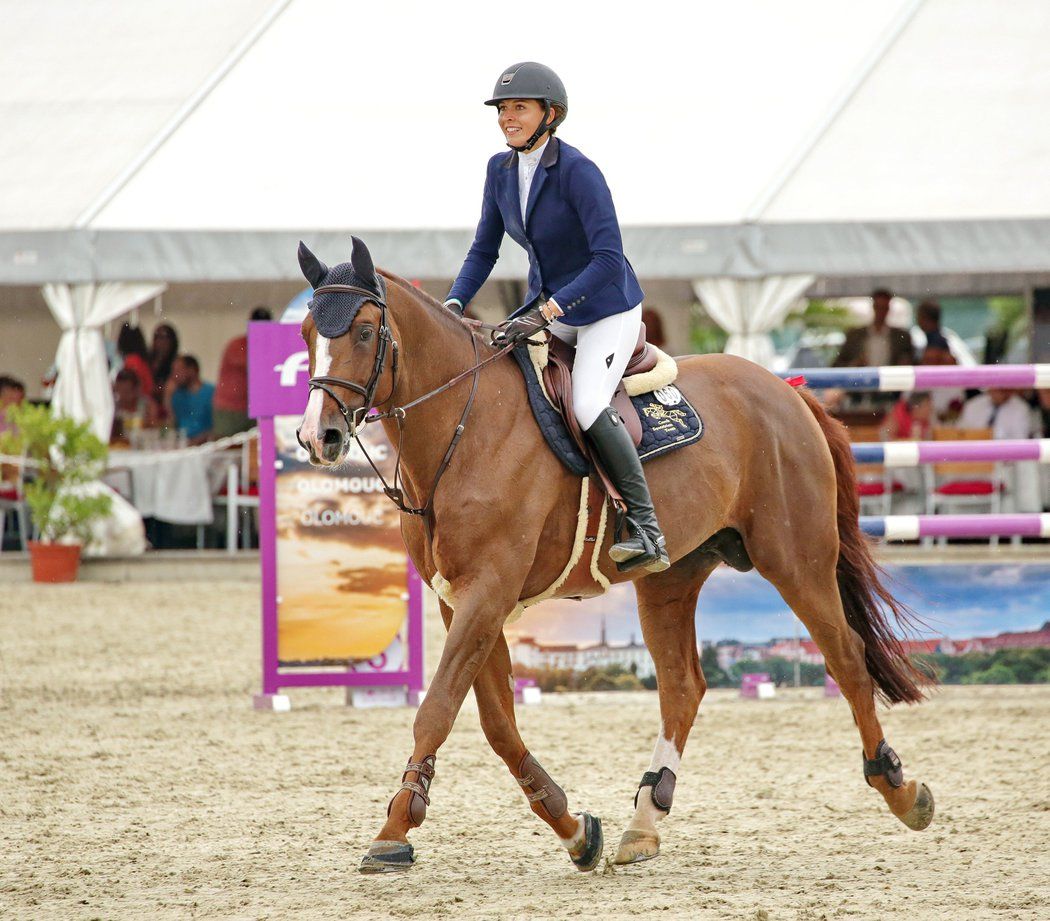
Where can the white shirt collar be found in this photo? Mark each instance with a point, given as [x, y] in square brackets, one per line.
[533, 156]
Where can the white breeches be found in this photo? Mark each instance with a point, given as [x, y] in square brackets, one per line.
[603, 349]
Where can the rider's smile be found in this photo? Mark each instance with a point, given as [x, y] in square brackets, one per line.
[519, 118]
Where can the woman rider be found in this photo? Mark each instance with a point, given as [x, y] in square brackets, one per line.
[555, 203]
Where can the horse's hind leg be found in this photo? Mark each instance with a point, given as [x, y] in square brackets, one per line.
[813, 594]
[667, 609]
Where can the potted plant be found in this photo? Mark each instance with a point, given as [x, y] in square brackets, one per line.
[63, 458]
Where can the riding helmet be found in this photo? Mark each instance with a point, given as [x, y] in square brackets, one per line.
[529, 80]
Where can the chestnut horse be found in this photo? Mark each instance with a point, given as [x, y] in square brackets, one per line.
[771, 483]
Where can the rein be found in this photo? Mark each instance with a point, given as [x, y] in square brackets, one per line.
[365, 414]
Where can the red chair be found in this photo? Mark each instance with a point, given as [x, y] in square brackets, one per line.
[966, 486]
[875, 485]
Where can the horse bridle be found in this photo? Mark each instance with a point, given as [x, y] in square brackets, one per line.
[353, 418]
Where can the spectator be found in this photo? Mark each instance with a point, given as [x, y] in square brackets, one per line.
[1042, 398]
[879, 344]
[1001, 410]
[12, 393]
[654, 327]
[190, 399]
[231, 390]
[164, 348]
[911, 418]
[131, 345]
[947, 401]
[132, 409]
[928, 319]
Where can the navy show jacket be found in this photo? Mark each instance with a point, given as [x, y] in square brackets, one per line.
[570, 233]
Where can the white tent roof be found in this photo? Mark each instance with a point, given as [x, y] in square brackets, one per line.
[841, 138]
[86, 84]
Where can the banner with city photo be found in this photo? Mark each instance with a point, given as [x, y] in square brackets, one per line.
[743, 624]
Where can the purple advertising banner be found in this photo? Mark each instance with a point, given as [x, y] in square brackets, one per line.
[342, 604]
[278, 369]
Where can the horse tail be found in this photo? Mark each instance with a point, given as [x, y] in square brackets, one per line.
[865, 599]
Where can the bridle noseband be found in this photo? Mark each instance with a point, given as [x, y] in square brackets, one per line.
[364, 414]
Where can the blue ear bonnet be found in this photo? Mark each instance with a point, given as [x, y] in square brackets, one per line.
[334, 312]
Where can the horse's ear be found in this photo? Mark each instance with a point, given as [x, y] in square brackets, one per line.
[361, 260]
[313, 268]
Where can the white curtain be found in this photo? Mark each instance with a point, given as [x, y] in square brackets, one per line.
[83, 388]
[750, 308]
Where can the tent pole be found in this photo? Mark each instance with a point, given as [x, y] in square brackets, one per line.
[185, 111]
[867, 66]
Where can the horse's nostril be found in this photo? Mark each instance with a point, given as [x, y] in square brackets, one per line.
[332, 438]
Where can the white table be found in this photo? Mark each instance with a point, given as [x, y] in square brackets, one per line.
[177, 488]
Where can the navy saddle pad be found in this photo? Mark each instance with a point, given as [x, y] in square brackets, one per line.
[668, 422]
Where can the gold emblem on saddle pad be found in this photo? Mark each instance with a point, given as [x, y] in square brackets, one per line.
[667, 420]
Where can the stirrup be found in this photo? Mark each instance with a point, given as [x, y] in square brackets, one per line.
[652, 555]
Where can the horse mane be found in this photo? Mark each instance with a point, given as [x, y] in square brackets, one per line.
[445, 315]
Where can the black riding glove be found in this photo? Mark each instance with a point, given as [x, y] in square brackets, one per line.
[520, 327]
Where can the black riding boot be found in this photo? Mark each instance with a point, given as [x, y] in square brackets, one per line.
[645, 546]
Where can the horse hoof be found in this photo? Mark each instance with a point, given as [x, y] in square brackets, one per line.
[921, 813]
[387, 857]
[636, 846]
[591, 852]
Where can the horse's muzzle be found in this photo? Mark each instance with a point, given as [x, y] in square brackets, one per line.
[324, 451]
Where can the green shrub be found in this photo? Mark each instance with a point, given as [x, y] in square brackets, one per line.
[67, 456]
[1024, 666]
[996, 674]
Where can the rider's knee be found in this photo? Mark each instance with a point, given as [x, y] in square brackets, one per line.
[587, 409]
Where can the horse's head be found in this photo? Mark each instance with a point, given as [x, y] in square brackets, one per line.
[349, 342]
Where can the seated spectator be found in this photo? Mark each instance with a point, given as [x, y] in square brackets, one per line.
[12, 393]
[132, 410]
[911, 418]
[876, 345]
[131, 345]
[231, 390]
[1001, 410]
[947, 401]
[162, 352]
[928, 319]
[190, 399]
[1042, 398]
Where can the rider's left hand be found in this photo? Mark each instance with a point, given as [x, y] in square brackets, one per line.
[521, 327]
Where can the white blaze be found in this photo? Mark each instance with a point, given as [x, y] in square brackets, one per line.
[311, 428]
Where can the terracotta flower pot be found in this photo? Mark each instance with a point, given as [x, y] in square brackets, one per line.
[54, 562]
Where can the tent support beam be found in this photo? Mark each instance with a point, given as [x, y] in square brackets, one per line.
[850, 89]
[184, 112]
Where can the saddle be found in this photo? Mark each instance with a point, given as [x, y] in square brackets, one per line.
[657, 415]
[649, 369]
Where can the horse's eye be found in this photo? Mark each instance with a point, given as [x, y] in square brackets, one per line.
[365, 334]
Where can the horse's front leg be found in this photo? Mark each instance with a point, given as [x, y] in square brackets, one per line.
[580, 834]
[482, 603]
